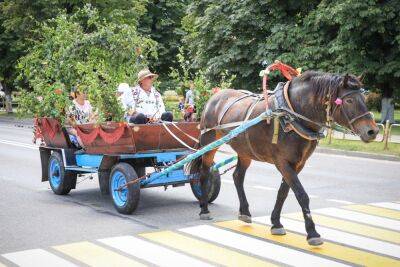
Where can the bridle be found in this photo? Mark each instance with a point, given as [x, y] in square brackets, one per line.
[339, 106]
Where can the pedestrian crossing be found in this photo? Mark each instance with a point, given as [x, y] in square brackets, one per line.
[354, 234]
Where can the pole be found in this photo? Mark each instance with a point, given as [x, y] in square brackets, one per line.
[386, 135]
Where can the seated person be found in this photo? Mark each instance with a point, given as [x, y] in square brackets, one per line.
[124, 95]
[147, 104]
[80, 112]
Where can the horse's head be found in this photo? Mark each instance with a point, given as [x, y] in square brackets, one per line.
[349, 109]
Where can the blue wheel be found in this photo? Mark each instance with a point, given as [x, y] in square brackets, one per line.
[61, 182]
[125, 199]
[213, 187]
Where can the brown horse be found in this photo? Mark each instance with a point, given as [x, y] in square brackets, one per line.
[315, 95]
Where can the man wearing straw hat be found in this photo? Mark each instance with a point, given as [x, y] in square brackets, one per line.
[147, 104]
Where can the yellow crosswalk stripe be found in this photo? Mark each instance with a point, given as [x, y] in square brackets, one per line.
[94, 255]
[351, 227]
[375, 211]
[204, 250]
[329, 249]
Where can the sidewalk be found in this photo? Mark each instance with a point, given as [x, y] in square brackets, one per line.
[13, 119]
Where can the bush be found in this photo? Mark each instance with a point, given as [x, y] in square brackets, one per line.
[170, 95]
[83, 50]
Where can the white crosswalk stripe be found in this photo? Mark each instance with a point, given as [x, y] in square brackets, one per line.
[360, 217]
[258, 247]
[36, 258]
[153, 253]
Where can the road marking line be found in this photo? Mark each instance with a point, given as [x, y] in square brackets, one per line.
[227, 181]
[36, 257]
[13, 143]
[378, 211]
[150, 252]
[351, 227]
[94, 255]
[258, 247]
[340, 201]
[388, 205]
[264, 187]
[2, 265]
[329, 249]
[348, 239]
[360, 217]
[204, 250]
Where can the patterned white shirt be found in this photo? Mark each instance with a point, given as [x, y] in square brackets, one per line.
[148, 103]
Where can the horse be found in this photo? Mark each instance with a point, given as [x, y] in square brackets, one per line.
[316, 98]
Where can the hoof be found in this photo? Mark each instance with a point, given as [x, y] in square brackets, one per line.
[278, 231]
[315, 241]
[244, 218]
[205, 216]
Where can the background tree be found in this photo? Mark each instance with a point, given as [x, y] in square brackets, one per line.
[360, 37]
[162, 23]
[231, 35]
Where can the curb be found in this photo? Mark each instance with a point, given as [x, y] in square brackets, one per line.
[333, 151]
[323, 150]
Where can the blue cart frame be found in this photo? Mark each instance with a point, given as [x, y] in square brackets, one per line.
[61, 166]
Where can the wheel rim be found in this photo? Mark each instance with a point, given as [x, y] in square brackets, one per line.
[117, 180]
[55, 173]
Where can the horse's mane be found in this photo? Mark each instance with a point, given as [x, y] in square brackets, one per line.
[328, 83]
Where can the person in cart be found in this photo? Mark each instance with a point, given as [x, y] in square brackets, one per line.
[147, 105]
[80, 112]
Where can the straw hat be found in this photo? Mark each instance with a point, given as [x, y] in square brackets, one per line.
[144, 74]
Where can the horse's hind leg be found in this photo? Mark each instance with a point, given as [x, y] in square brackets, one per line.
[277, 227]
[238, 178]
[290, 176]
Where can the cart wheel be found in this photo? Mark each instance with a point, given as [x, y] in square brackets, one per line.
[127, 199]
[61, 182]
[214, 185]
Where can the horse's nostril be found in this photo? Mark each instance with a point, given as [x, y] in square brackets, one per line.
[371, 132]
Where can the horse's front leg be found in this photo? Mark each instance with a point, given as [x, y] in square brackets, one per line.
[238, 178]
[277, 227]
[207, 162]
[291, 178]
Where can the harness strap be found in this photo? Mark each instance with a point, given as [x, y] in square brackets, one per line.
[227, 107]
[246, 133]
[177, 138]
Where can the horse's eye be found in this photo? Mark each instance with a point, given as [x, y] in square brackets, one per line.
[349, 101]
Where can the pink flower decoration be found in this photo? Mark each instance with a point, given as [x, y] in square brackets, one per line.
[338, 101]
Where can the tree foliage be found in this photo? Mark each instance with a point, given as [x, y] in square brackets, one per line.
[20, 21]
[85, 51]
[360, 37]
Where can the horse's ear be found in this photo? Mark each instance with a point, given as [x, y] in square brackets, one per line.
[345, 80]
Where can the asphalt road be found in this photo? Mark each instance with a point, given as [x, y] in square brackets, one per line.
[31, 216]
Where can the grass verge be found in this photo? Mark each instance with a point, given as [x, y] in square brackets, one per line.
[350, 145]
